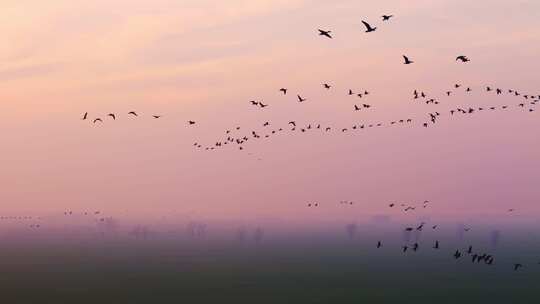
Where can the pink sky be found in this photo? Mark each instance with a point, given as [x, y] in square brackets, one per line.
[204, 60]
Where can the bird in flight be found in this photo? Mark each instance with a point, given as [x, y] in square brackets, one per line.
[191, 122]
[407, 60]
[517, 266]
[356, 108]
[156, 116]
[387, 17]
[368, 27]
[300, 99]
[133, 113]
[85, 116]
[462, 58]
[326, 86]
[379, 244]
[283, 90]
[98, 119]
[325, 33]
[262, 105]
[112, 115]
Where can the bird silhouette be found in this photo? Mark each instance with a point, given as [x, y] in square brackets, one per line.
[300, 99]
[283, 90]
[191, 122]
[407, 60]
[368, 27]
[98, 119]
[262, 105]
[326, 86]
[85, 116]
[517, 266]
[325, 33]
[133, 113]
[112, 115]
[156, 116]
[386, 17]
[462, 58]
[379, 244]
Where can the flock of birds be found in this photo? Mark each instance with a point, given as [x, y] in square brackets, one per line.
[476, 257]
[526, 101]
[233, 137]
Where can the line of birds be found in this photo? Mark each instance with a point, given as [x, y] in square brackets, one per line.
[242, 139]
[113, 116]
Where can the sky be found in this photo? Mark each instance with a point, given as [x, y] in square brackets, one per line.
[205, 60]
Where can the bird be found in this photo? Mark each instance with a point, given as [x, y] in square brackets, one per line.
[517, 266]
[300, 99]
[368, 27]
[415, 247]
[156, 116]
[457, 254]
[98, 119]
[469, 251]
[112, 115]
[85, 116]
[262, 105]
[283, 90]
[133, 113]
[386, 17]
[405, 248]
[326, 86]
[191, 122]
[379, 244]
[253, 102]
[292, 123]
[407, 60]
[391, 205]
[356, 108]
[462, 58]
[325, 33]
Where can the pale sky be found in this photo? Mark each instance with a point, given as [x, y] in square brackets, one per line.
[204, 60]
